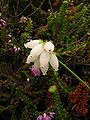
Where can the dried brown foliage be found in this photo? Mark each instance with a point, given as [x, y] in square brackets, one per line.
[80, 98]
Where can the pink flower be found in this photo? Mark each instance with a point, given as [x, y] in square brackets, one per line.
[40, 117]
[0, 26]
[52, 114]
[46, 117]
[35, 72]
[3, 22]
[16, 49]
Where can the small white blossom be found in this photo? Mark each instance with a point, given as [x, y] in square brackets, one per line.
[31, 44]
[49, 47]
[31, 59]
[23, 19]
[37, 64]
[44, 58]
[37, 50]
[44, 69]
[54, 61]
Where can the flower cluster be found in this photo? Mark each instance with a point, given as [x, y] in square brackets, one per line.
[23, 19]
[42, 54]
[46, 117]
[2, 23]
[16, 49]
[35, 72]
[80, 98]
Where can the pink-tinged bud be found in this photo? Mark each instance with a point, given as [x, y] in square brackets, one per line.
[35, 72]
[18, 49]
[0, 26]
[15, 50]
[14, 47]
[3, 22]
[44, 116]
[52, 114]
[40, 117]
[48, 118]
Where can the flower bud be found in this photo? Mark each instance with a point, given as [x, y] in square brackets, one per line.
[44, 69]
[49, 47]
[54, 62]
[37, 50]
[31, 44]
[44, 58]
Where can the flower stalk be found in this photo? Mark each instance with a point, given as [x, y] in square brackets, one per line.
[64, 65]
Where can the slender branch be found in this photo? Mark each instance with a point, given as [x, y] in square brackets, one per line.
[24, 9]
[17, 5]
[17, 9]
[74, 74]
[50, 6]
[36, 9]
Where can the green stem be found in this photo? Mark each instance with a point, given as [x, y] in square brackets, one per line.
[74, 74]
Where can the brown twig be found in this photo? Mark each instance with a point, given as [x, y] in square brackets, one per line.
[36, 9]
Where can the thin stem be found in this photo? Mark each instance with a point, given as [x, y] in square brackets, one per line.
[74, 74]
[36, 9]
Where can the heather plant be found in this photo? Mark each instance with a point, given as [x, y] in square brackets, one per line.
[44, 59]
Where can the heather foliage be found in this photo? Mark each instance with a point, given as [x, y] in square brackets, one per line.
[38, 38]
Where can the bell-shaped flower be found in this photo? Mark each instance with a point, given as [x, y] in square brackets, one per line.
[35, 72]
[44, 69]
[32, 43]
[48, 118]
[52, 114]
[44, 116]
[40, 117]
[44, 58]
[36, 51]
[31, 59]
[49, 47]
[54, 61]
[37, 63]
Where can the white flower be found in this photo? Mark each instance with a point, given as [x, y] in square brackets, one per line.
[44, 69]
[42, 55]
[44, 58]
[31, 44]
[31, 59]
[37, 63]
[49, 47]
[54, 61]
[36, 51]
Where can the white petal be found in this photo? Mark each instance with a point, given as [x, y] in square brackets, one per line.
[44, 69]
[54, 61]
[37, 63]
[44, 58]
[37, 50]
[31, 44]
[49, 47]
[31, 59]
